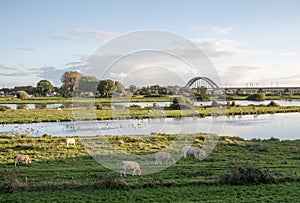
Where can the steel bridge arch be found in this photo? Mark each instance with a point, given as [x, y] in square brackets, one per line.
[209, 81]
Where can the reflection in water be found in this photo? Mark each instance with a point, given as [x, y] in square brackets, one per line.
[282, 126]
[294, 102]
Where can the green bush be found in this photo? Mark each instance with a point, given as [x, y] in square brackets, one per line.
[182, 103]
[272, 103]
[110, 181]
[99, 107]
[257, 97]
[246, 174]
[22, 94]
[10, 182]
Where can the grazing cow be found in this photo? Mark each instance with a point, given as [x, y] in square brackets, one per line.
[70, 141]
[21, 157]
[160, 156]
[130, 165]
[193, 150]
[59, 109]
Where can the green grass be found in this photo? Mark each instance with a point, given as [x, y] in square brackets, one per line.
[285, 192]
[58, 173]
[90, 113]
[62, 100]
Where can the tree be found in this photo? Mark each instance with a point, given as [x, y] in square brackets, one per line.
[132, 89]
[44, 87]
[87, 84]
[28, 89]
[106, 87]
[120, 89]
[203, 94]
[182, 103]
[70, 80]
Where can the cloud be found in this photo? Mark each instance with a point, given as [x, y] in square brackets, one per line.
[222, 48]
[118, 75]
[93, 33]
[240, 75]
[14, 71]
[54, 74]
[286, 54]
[26, 49]
[219, 30]
[66, 38]
[292, 80]
[78, 34]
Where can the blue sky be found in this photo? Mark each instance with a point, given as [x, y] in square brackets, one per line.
[247, 41]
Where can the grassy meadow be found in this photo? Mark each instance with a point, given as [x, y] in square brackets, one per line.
[106, 113]
[237, 170]
[229, 174]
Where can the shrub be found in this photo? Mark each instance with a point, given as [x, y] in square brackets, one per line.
[274, 139]
[257, 97]
[272, 103]
[46, 135]
[10, 181]
[258, 147]
[110, 181]
[22, 95]
[99, 107]
[4, 108]
[233, 104]
[135, 106]
[246, 174]
[180, 103]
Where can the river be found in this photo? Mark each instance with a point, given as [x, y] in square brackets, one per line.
[294, 102]
[283, 126]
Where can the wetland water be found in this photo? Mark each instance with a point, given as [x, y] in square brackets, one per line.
[283, 126]
[294, 102]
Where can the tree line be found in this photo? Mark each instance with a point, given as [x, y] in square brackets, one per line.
[75, 83]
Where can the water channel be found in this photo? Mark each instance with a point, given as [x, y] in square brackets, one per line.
[283, 126]
[294, 102]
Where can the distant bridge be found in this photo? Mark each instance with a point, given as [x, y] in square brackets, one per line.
[201, 81]
[211, 85]
[265, 89]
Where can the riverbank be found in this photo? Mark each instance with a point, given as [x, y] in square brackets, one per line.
[58, 173]
[107, 113]
[62, 100]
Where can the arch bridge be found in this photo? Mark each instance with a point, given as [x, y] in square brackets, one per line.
[201, 81]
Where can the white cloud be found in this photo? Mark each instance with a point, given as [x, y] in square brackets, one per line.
[240, 75]
[78, 34]
[222, 48]
[14, 71]
[118, 76]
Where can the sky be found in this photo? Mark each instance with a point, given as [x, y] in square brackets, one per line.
[247, 42]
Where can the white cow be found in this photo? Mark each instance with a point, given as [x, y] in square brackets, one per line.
[59, 109]
[160, 156]
[21, 157]
[193, 150]
[70, 141]
[130, 165]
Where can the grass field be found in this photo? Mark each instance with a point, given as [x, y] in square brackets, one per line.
[61, 174]
[69, 114]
